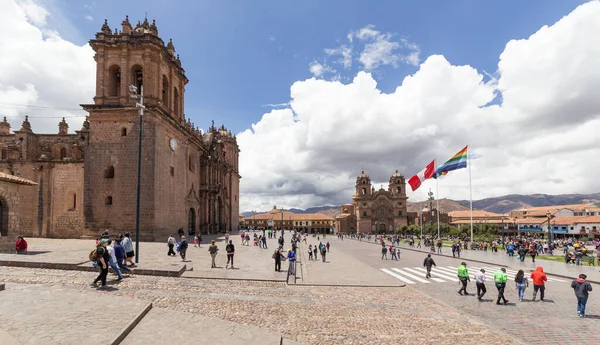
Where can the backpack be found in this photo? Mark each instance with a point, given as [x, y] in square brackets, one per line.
[93, 255]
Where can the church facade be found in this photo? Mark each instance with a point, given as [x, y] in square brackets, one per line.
[87, 181]
[374, 211]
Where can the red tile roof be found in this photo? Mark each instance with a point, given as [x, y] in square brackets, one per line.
[16, 179]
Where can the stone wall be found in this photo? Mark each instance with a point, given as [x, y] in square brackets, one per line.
[19, 216]
[67, 201]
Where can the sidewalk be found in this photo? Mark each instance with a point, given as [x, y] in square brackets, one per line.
[558, 269]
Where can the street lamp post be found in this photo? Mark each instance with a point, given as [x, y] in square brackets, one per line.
[431, 211]
[140, 106]
[549, 230]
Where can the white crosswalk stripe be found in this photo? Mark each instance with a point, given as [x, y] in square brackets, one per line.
[420, 270]
[442, 274]
[409, 275]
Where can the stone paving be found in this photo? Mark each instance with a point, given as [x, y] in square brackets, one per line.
[304, 314]
[54, 315]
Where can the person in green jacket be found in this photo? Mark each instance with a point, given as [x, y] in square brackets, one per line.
[463, 275]
[500, 280]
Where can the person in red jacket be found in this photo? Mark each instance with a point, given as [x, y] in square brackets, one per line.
[21, 245]
[539, 279]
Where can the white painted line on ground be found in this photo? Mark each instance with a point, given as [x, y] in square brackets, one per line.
[397, 276]
[444, 274]
[420, 270]
[412, 276]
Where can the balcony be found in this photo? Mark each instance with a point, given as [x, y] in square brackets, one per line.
[530, 228]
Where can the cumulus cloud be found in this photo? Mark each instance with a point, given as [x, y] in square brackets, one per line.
[317, 69]
[538, 136]
[43, 75]
[345, 53]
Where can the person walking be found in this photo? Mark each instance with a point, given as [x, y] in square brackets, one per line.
[463, 276]
[539, 278]
[427, 263]
[500, 279]
[533, 252]
[383, 252]
[183, 246]
[521, 283]
[212, 250]
[582, 289]
[327, 245]
[315, 252]
[439, 246]
[480, 283]
[102, 259]
[310, 252]
[230, 249]
[323, 253]
[128, 247]
[120, 255]
[112, 261]
[171, 243]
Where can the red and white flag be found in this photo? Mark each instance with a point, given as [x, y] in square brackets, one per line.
[427, 173]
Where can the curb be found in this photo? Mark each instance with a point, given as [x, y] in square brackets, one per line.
[238, 279]
[78, 267]
[352, 285]
[482, 262]
[131, 325]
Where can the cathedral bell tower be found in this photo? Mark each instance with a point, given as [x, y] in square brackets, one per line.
[363, 185]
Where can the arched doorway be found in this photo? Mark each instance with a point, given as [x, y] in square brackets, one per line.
[192, 222]
[382, 227]
[3, 218]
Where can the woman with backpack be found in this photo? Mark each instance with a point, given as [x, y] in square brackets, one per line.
[230, 249]
[521, 282]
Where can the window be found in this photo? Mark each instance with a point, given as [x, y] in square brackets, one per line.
[63, 153]
[191, 162]
[176, 102]
[109, 172]
[74, 201]
[123, 132]
[398, 190]
[114, 81]
[108, 200]
[172, 171]
[364, 213]
[400, 213]
[4, 154]
[364, 191]
[165, 91]
[137, 77]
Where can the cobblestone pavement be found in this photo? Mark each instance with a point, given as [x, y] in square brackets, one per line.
[553, 321]
[306, 314]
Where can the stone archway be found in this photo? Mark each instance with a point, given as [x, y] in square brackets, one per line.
[382, 227]
[192, 221]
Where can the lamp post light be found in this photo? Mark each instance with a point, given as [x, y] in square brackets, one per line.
[140, 106]
[431, 211]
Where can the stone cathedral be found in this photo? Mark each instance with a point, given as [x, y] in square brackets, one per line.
[86, 182]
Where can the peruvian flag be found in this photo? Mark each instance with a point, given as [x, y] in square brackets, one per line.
[428, 172]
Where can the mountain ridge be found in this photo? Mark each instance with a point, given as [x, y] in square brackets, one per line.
[500, 204]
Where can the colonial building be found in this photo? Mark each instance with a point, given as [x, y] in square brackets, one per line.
[374, 211]
[87, 181]
[276, 218]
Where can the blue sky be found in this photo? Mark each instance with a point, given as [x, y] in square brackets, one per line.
[242, 55]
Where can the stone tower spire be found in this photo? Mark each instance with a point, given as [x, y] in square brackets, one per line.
[26, 126]
[4, 127]
[63, 127]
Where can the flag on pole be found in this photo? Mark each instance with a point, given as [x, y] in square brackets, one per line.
[427, 173]
[458, 161]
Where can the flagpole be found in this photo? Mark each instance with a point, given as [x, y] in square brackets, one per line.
[421, 217]
[470, 194]
[437, 193]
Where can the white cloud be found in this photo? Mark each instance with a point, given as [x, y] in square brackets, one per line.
[272, 38]
[345, 53]
[43, 75]
[88, 17]
[381, 49]
[318, 69]
[36, 14]
[542, 137]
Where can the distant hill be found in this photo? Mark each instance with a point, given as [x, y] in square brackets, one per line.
[507, 203]
[501, 204]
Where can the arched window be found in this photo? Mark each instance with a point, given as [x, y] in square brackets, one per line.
[63, 153]
[176, 102]
[72, 201]
[165, 91]
[108, 200]
[398, 190]
[109, 172]
[191, 162]
[137, 77]
[192, 222]
[123, 132]
[364, 213]
[114, 81]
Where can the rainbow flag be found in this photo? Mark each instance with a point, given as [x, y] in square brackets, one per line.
[458, 161]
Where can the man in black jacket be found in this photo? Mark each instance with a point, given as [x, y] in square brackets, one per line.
[183, 246]
[582, 290]
[427, 263]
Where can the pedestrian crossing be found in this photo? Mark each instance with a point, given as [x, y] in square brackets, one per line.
[442, 274]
